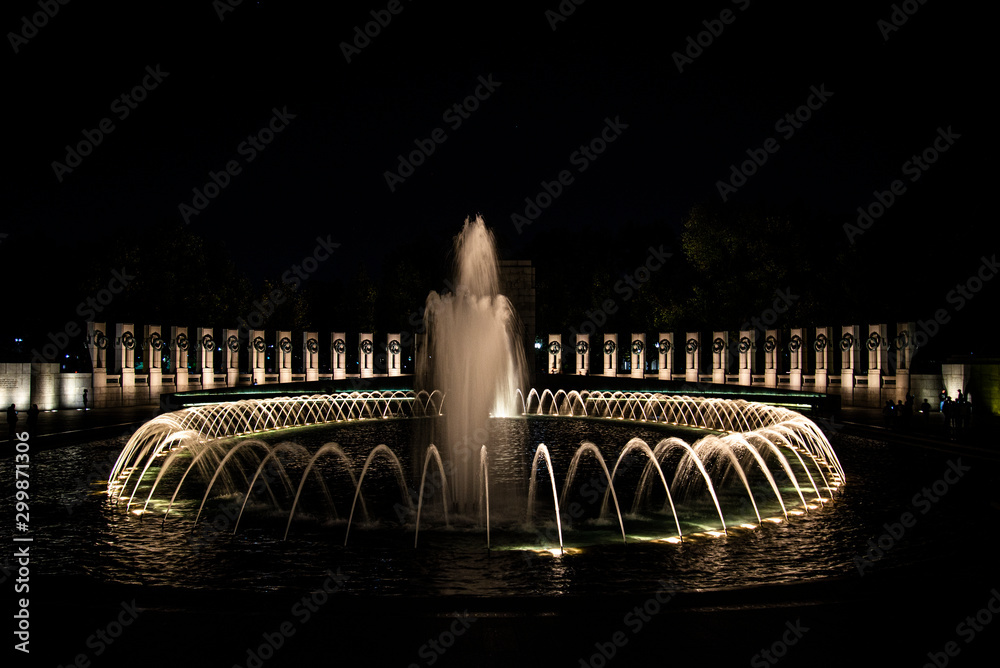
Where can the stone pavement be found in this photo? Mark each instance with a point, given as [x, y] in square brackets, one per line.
[68, 427]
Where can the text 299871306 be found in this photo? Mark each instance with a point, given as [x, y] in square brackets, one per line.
[22, 559]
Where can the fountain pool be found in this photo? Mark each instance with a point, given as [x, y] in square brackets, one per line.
[472, 461]
[575, 471]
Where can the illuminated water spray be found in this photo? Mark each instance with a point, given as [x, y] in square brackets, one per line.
[473, 353]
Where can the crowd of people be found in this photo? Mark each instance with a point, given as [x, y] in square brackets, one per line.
[956, 414]
[12, 420]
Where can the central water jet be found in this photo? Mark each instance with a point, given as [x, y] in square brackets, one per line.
[473, 353]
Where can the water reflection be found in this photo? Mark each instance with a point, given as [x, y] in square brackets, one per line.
[89, 538]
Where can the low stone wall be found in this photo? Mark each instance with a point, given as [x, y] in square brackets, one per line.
[29, 383]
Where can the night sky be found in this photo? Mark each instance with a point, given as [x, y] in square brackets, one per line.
[555, 83]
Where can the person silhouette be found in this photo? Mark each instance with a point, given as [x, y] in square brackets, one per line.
[85, 400]
[12, 420]
[33, 419]
[948, 411]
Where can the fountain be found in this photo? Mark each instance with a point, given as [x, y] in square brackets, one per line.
[759, 455]
[710, 466]
[473, 355]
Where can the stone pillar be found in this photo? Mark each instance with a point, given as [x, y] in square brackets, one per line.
[180, 348]
[821, 344]
[878, 360]
[97, 345]
[903, 344]
[772, 357]
[553, 349]
[258, 357]
[610, 352]
[394, 355]
[666, 351]
[692, 366]
[747, 359]
[205, 356]
[124, 363]
[152, 345]
[796, 358]
[850, 361]
[719, 355]
[338, 355]
[231, 357]
[366, 354]
[582, 354]
[283, 357]
[310, 355]
[637, 350]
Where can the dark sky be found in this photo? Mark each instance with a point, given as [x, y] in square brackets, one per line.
[324, 174]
